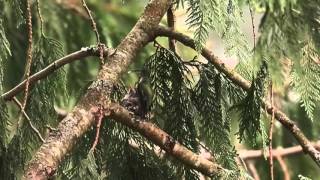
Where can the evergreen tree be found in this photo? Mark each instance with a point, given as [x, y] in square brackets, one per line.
[99, 90]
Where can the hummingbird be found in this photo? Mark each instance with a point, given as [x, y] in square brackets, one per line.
[138, 99]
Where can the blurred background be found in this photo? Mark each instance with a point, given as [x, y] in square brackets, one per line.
[67, 22]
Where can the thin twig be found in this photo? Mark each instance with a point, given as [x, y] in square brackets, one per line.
[284, 167]
[243, 163]
[93, 23]
[51, 129]
[17, 102]
[294, 150]
[40, 17]
[101, 46]
[171, 20]
[270, 134]
[83, 53]
[29, 55]
[253, 27]
[253, 171]
[99, 116]
[61, 113]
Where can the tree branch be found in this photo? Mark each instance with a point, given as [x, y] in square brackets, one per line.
[253, 171]
[46, 160]
[171, 20]
[254, 154]
[164, 141]
[17, 102]
[245, 84]
[284, 168]
[83, 53]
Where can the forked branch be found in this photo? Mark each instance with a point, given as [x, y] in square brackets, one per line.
[59, 143]
[164, 141]
[245, 85]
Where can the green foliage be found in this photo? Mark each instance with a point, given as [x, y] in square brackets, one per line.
[17, 12]
[251, 125]
[222, 17]
[306, 78]
[180, 105]
[172, 94]
[290, 30]
[42, 96]
[232, 93]
[273, 5]
[87, 169]
[40, 107]
[129, 156]
[4, 44]
[233, 175]
[200, 19]
[3, 114]
[4, 47]
[120, 155]
[4, 53]
[3, 125]
[82, 164]
[190, 99]
[172, 99]
[214, 123]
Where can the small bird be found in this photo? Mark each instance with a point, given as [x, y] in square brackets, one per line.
[137, 99]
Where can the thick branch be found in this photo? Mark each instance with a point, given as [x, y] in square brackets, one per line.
[46, 160]
[83, 53]
[164, 141]
[245, 84]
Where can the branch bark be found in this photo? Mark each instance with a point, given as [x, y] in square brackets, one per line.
[164, 141]
[171, 20]
[254, 154]
[253, 171]
[46, 160]
[83, 53]
[284, 168]
[245, 84]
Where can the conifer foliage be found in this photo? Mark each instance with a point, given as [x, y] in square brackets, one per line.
[250, 109]
[222, 17]
[200, 104]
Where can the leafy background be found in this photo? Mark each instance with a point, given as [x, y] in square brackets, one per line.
[287, 39]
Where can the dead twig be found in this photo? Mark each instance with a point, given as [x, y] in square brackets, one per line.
[99, 114]
[29, 55]
[253, 171]
[100, 46]
[17, 102]
[93, 23]
[284, 167]
[253, 27]
[270, 134]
